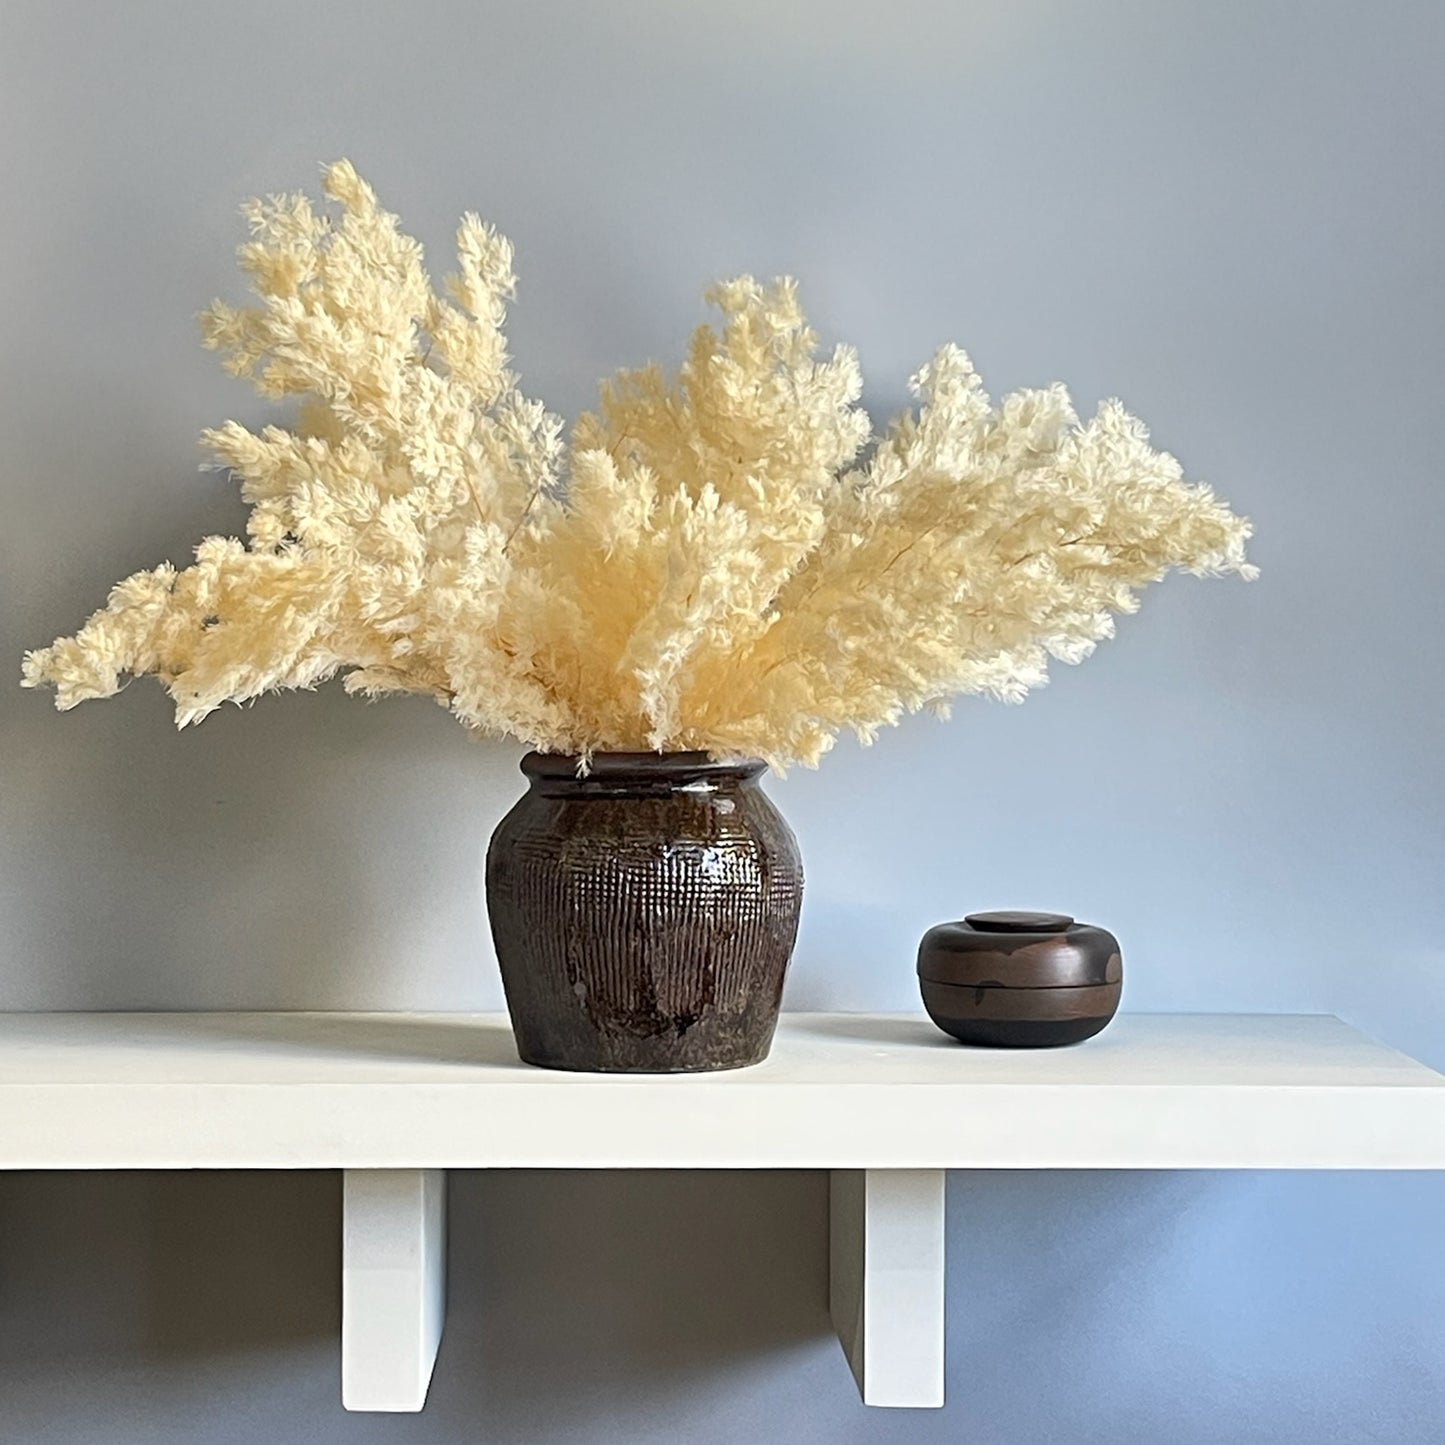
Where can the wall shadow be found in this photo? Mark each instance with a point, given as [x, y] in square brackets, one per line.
[572, 1288]
[565, 1287]
[151, 1268]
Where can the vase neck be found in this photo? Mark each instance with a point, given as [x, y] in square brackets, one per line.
[643, 774]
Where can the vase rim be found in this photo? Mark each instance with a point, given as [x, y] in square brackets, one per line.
[680, 767]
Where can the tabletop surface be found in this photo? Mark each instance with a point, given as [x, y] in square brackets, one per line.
[375, 1090]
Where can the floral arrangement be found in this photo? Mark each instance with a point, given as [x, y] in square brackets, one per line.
[722, 560]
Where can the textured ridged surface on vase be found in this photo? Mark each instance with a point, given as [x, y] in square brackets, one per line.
[643, 915]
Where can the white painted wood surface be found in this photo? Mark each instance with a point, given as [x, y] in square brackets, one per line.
[886, 1281]
[413, 1091]
[393, 1285]
[885, 1102]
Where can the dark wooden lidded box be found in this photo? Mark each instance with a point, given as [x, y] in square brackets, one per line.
[1020, 980]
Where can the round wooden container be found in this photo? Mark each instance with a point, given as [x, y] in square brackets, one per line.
[1020, 980]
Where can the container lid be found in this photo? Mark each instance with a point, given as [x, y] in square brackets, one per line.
[1008, 920]
[1010, 949]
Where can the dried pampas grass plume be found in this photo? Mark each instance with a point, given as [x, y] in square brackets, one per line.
[710, 564]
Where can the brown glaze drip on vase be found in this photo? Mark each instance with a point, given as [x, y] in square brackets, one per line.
[643, 914]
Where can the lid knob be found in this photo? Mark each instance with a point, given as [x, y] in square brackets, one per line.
[1009, 920]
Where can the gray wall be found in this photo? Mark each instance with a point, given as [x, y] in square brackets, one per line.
[1230, 214]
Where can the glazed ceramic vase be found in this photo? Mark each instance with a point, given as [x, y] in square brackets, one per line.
[644, 913]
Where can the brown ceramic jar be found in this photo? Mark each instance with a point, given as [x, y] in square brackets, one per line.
[1020, 980]
[643, 914]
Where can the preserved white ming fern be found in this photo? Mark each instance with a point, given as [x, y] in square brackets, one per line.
[716, 562]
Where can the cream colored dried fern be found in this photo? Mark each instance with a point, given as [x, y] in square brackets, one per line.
[709, 564]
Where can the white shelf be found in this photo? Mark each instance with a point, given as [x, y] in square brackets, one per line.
[885, 1102]
[385, 1091]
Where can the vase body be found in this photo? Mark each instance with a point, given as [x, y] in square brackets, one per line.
[643, 915]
